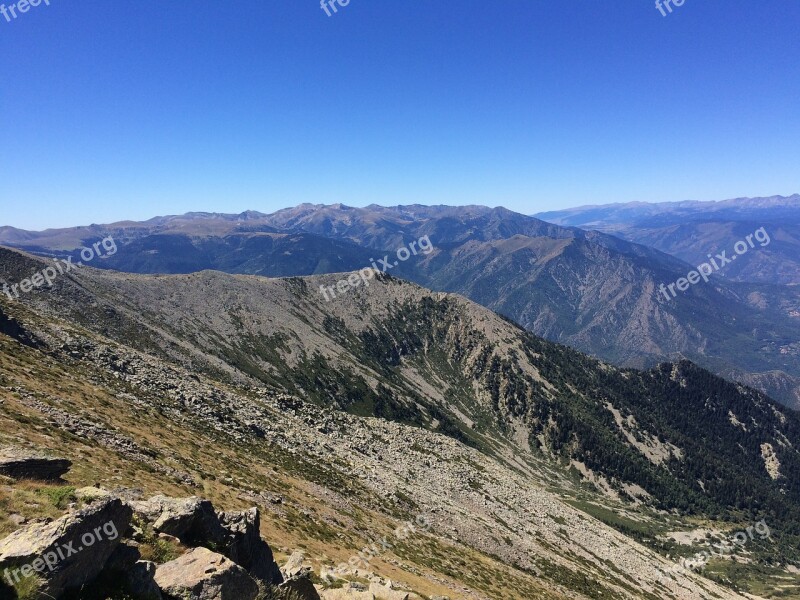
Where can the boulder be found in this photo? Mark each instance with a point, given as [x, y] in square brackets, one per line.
[204, 575]
[327, 574]
[302, 587]
[17, 520]
[19, 465]
[347, 593]
[69, 552]
[296, 566]
[140, 581]
[244, 546]
[191, 520]
[123, 558]
[385, 592]
[194, 522]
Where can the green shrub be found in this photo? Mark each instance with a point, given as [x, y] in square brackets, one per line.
[59, 497]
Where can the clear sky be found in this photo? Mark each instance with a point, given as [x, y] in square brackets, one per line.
[118, 109]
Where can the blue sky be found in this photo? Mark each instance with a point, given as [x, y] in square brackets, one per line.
[127, 110]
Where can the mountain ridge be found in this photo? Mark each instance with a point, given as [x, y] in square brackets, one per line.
[691, 230]
[590, 290]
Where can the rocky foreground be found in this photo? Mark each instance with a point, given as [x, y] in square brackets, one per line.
[115, 545]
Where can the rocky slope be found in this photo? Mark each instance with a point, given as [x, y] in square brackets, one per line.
[97, 551]
[257, 391]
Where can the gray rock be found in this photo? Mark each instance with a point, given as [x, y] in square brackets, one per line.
[385, 592]
[68, 552]
[194, 522]
[302, 587]
[204, 575]
[191, 520]
[295, 566]
[140, 581]
[18, 465]
[245, 547]
[16, 519]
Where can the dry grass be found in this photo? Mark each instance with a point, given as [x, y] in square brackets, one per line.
[31, 500]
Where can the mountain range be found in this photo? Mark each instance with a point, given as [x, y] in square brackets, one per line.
[591, 290]
[692, 230]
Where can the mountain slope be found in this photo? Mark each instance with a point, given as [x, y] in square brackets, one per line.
[282, 333]
[692, 230]
[427, 350]
[221, 353]
[258, 253]
[215, 352]
[590, 290]
[217, 355]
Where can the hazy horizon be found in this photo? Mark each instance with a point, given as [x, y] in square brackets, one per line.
[239, 212]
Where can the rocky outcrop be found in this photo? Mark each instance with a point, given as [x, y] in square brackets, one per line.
[302, 587]
[204, 575]
[385, 592]
[92, 547]
[296, 566]
[68, 552]
[140, 581]
[18, 465]
[192, 520]
[296, 573]
[244, 546]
